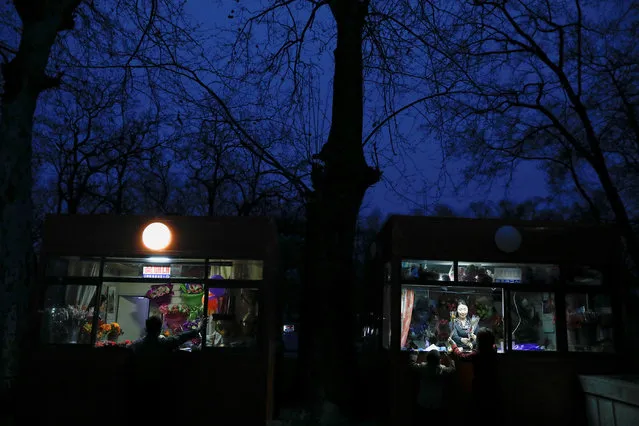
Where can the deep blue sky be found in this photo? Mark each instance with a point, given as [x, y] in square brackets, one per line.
[419, 173]
[528, 182]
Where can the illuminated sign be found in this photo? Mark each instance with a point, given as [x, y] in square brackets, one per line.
[156, 272]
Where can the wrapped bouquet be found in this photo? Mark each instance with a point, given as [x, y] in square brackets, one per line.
[175, 309]
[191, 325]
[115, 331]
[175, 315]
[160, 294]
[192, 297]
[191, 289]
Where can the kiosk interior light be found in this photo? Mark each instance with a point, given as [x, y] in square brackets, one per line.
[156, 236]
[158, 260]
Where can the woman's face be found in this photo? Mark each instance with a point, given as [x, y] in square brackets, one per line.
[462, 311]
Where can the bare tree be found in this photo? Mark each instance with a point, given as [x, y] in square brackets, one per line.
[24, 74]
[127, 151]
[207, 155]
[547, 81]
[161, 187]
[271, 89]
[89, 154]
[37, 50]
[273, 78]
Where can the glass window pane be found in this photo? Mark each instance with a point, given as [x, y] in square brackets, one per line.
[582, 275]
[73, 267]
[431, 315]
[233, 317]
[68, 314]
[236, 269]
[427, 270]
[507, 273]
[386, 317]
[154, 267]
[127, 306]
[589, 323]
[532, 321]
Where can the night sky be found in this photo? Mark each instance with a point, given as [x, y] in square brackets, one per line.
[412, 177]
[528, 182]
[408, 185]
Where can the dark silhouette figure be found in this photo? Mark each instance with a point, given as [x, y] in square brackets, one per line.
[153, 344]
[433, 380]
[486, 389]
[156, 374]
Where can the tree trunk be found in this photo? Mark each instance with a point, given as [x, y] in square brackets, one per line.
[628, 287]
[24, 80]
[340, 179]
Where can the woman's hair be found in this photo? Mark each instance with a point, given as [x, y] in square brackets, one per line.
[461, 303]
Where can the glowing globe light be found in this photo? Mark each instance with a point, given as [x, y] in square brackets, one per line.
[156, 236]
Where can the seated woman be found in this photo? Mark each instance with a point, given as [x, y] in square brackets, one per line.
[462, 329]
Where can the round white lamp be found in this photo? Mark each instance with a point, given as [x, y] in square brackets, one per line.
[508, 239]
[156, 236]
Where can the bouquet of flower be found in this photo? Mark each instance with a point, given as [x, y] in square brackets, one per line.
[115, 331]
[175, 309]
[77, 314]
[160, 293]
[484, 311]
[112, 344]
[192, 325]
[192, 288]
[474, 322]
[66, 322]
[104, 330]
[88, 327]
[192, 297]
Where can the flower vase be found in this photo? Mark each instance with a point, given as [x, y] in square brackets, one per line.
[74, 335]
[194, 302]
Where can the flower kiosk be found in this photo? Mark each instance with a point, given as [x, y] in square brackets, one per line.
[104, 275]
[548, 291]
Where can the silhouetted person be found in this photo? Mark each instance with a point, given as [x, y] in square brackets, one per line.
[156, 373]
[433, 380]
[153, 344]
[486, 387]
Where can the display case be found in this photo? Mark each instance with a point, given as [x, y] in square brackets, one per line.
[428, 315]
[104, 276]
[549, 292]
